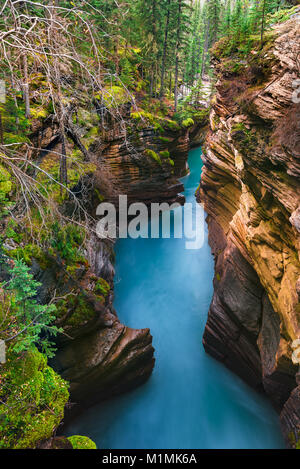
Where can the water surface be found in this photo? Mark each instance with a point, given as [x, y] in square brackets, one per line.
[190, 401]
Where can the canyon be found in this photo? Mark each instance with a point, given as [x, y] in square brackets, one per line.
[148, 342]
[250, 190]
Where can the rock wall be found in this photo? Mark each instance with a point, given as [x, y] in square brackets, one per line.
[251, 191]
[122, 160]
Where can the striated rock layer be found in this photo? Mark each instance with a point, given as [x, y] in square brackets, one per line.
[124, 167]
[251, 191]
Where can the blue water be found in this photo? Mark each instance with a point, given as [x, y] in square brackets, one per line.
[190, 401]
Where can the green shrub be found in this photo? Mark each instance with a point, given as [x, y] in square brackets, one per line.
[66, 240]
[22, 319]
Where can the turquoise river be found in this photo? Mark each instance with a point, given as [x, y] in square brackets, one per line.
[190, 401]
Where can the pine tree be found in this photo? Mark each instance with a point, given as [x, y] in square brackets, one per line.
[214, 15]
[167, 5]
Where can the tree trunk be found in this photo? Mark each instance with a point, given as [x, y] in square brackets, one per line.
[1, 130]
[177, 56]
[154, 32]
[262, 24]
[163, 63]
[205, 50]
[151, 81]
[26, 86]
[63, 175]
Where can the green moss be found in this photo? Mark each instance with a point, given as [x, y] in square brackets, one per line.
[5, 180]
[187, 123]
[240, 46]
[82, 442]
[15, 126]
[28, 252]
[201, 115]
[99, 196]
[164, 154]
[165, 139]
[5, 183]
[86, 119]
[113, 96]
[75, 306]
[90, 136]
[187, 115]
[39, 112]
[10, 233]
[172, 125]
[281, 15]
[77, 309]
[159, 122]
[239, 127]
[81, 311]
[62, 241]
[153, 155]
[244, 139]
[49, 175]
[35, 397]
[67, 240]
[102, 287]
[233, 67]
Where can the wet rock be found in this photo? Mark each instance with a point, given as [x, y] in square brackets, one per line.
[106, 362]
[58, 442]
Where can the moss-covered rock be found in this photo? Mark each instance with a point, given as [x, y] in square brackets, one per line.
[102, 287]
[82, 442]
[33, 397]
[153, 155]
[187, 123]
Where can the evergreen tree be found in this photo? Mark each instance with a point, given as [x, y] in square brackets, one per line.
[214, 15]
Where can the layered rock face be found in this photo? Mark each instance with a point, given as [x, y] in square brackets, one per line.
[250, 188]
[132, 162]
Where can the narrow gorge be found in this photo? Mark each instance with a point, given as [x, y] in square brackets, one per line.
[189, 400]
[138, 342]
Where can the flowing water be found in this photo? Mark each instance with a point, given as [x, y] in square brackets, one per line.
[190, 401]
